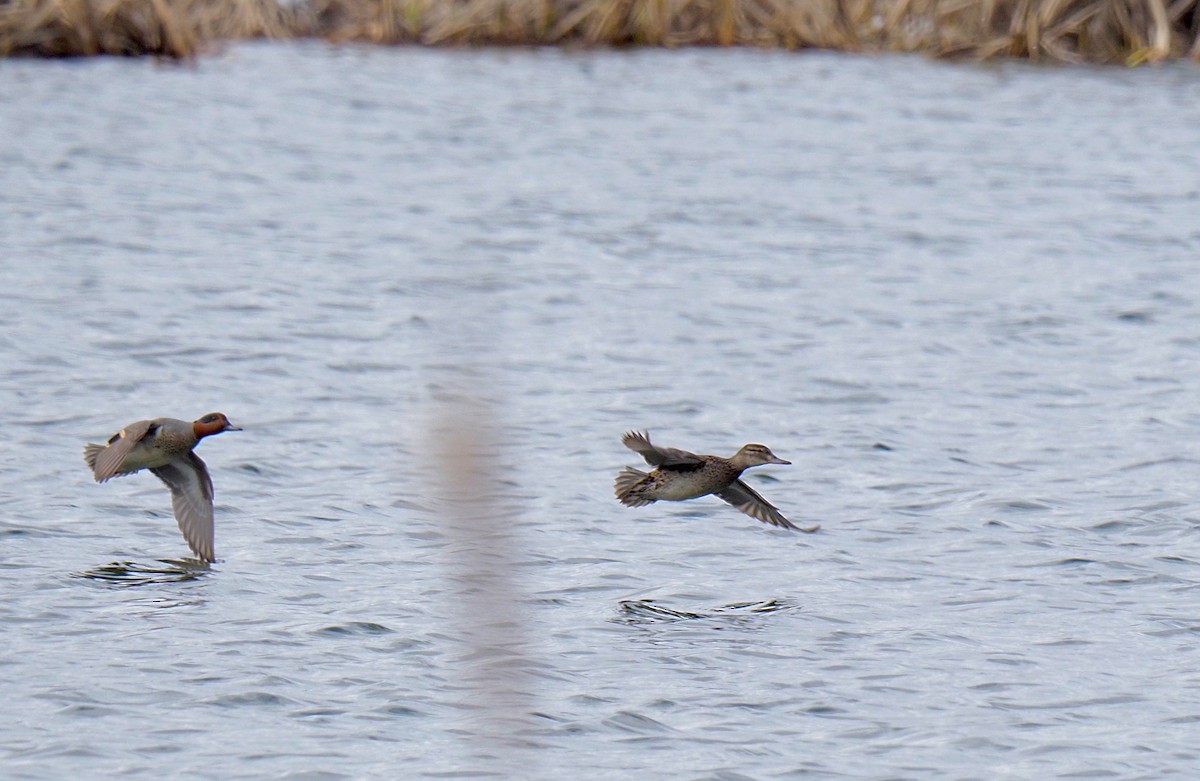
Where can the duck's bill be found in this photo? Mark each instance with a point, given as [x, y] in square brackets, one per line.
[778, 460]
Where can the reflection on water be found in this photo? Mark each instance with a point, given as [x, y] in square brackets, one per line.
[131, 573]
[648, 611]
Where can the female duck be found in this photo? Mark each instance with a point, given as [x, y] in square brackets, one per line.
[681, 475]
[165, 447]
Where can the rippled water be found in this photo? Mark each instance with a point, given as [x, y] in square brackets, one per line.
[434, 287]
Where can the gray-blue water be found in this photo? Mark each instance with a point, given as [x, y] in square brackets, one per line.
[435, 287]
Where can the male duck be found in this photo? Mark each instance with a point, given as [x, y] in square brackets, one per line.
[164, 446]
[681, 475]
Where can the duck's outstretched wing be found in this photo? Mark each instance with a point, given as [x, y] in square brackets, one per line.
[106, 460]
[751, 503]
[192, 500]
[639, 442]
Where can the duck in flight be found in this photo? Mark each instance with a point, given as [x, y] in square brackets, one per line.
[679, 475]
[166, 446]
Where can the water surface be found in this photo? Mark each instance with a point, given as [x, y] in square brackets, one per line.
[435, 286]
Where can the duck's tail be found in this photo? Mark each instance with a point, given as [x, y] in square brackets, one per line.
[629, 487]
[91, 454]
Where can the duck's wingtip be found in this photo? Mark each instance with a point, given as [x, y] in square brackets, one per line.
[784, 523]
[90, 451]
[633, 435]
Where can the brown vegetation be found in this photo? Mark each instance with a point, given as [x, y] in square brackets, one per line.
[1105, 31]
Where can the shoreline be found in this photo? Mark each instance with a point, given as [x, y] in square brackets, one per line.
[1120, 32]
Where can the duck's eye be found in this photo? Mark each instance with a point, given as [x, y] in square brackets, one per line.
[210, 418]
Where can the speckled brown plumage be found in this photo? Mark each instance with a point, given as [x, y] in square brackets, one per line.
[679, 475]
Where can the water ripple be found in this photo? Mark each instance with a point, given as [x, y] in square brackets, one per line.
[978, 348]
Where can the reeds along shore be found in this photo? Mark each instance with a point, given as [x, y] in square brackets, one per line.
[1097, 31]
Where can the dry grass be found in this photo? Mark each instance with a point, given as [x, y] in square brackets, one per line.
[170, 28]
[230, 19]
[61, 28]
[1103, 31]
